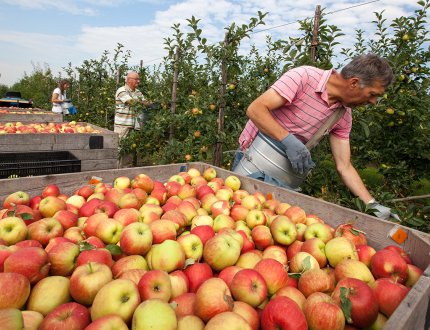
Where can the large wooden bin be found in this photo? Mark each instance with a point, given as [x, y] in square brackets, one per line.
[29, 115]
[413, 312]
[96, 151]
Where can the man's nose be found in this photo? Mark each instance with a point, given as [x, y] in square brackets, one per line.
[373, 100]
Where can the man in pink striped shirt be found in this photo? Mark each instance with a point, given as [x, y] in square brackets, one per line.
[291, 111]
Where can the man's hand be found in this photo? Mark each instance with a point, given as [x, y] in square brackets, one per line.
[298, 154]
[382, 211]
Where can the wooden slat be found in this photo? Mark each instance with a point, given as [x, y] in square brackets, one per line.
[96, 165]
[31, 117]
[100, 154]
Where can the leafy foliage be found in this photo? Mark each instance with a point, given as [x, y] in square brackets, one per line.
[216, 82]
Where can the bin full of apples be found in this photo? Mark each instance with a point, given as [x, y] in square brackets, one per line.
[51, 127]
[195, 252]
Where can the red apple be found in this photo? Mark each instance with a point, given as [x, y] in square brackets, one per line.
[155, 284]
[197, 273]
[180, 283]
[325, 316]
[365, 253]
[184, 304]
[87, 280]
[296, 214]
[63, 258]
[136, 238]
[316, 247]
[50, 190]
[212, 297]
[67, 218]
[315, 280]
[249, 313]
[96, 255]
[362, 309]
[389, 294]
[283, 313]
[347, 230]
[66, 316]
[249, 286]
[274, 273]
[400, 251]
[292, 293]
[15, 290]
[50, 205]
[16, 198]
[108, 322]
[32, 262]
[204, 232]
[293, 249]
[387, 263]
[44, 230]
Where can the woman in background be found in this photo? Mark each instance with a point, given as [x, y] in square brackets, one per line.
[59, 97]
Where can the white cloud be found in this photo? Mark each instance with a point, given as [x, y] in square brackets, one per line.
[145, 41]
[70, 7]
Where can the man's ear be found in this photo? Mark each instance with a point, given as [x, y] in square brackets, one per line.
[354, 82]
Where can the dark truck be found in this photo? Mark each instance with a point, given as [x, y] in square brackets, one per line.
[14, 99]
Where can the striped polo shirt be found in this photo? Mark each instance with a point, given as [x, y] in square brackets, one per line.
[306, 107]
[125, 113]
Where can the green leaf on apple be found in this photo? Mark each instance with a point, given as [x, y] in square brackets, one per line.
[85, 246]
[307, 263]
[113, 249]
[189, 262]
[295, 275]
[345, 304]
[11, 213]
[354, 231]
[26, 216]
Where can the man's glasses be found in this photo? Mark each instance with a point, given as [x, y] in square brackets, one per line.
[134, 78]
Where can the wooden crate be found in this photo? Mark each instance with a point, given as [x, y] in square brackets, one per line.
[30, 116]
[97, 151]
[413, 312]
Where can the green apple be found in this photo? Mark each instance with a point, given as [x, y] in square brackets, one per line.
[192, 246]
[340, 248]
[12, 230]
[109, 231]
[283, 230]
[48, 293]
[168, 256]
[154, 314]
[353, 268]
[11, 319]
[233, 182]
[120, 297]
[221, 251]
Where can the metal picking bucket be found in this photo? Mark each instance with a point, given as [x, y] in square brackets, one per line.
[263, 155]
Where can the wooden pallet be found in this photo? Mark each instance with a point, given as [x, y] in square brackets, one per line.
[97, 151]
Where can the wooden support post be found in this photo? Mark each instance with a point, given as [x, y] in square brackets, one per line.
[217, 155]
[174, 90]
[314, 42]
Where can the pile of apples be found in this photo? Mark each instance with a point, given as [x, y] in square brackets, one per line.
[18, 111]
[29, 128]
[195, 252]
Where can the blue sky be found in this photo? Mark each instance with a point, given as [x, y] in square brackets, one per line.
[55, 32]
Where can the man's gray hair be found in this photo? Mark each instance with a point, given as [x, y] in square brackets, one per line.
[128, 74]
[369, 68]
